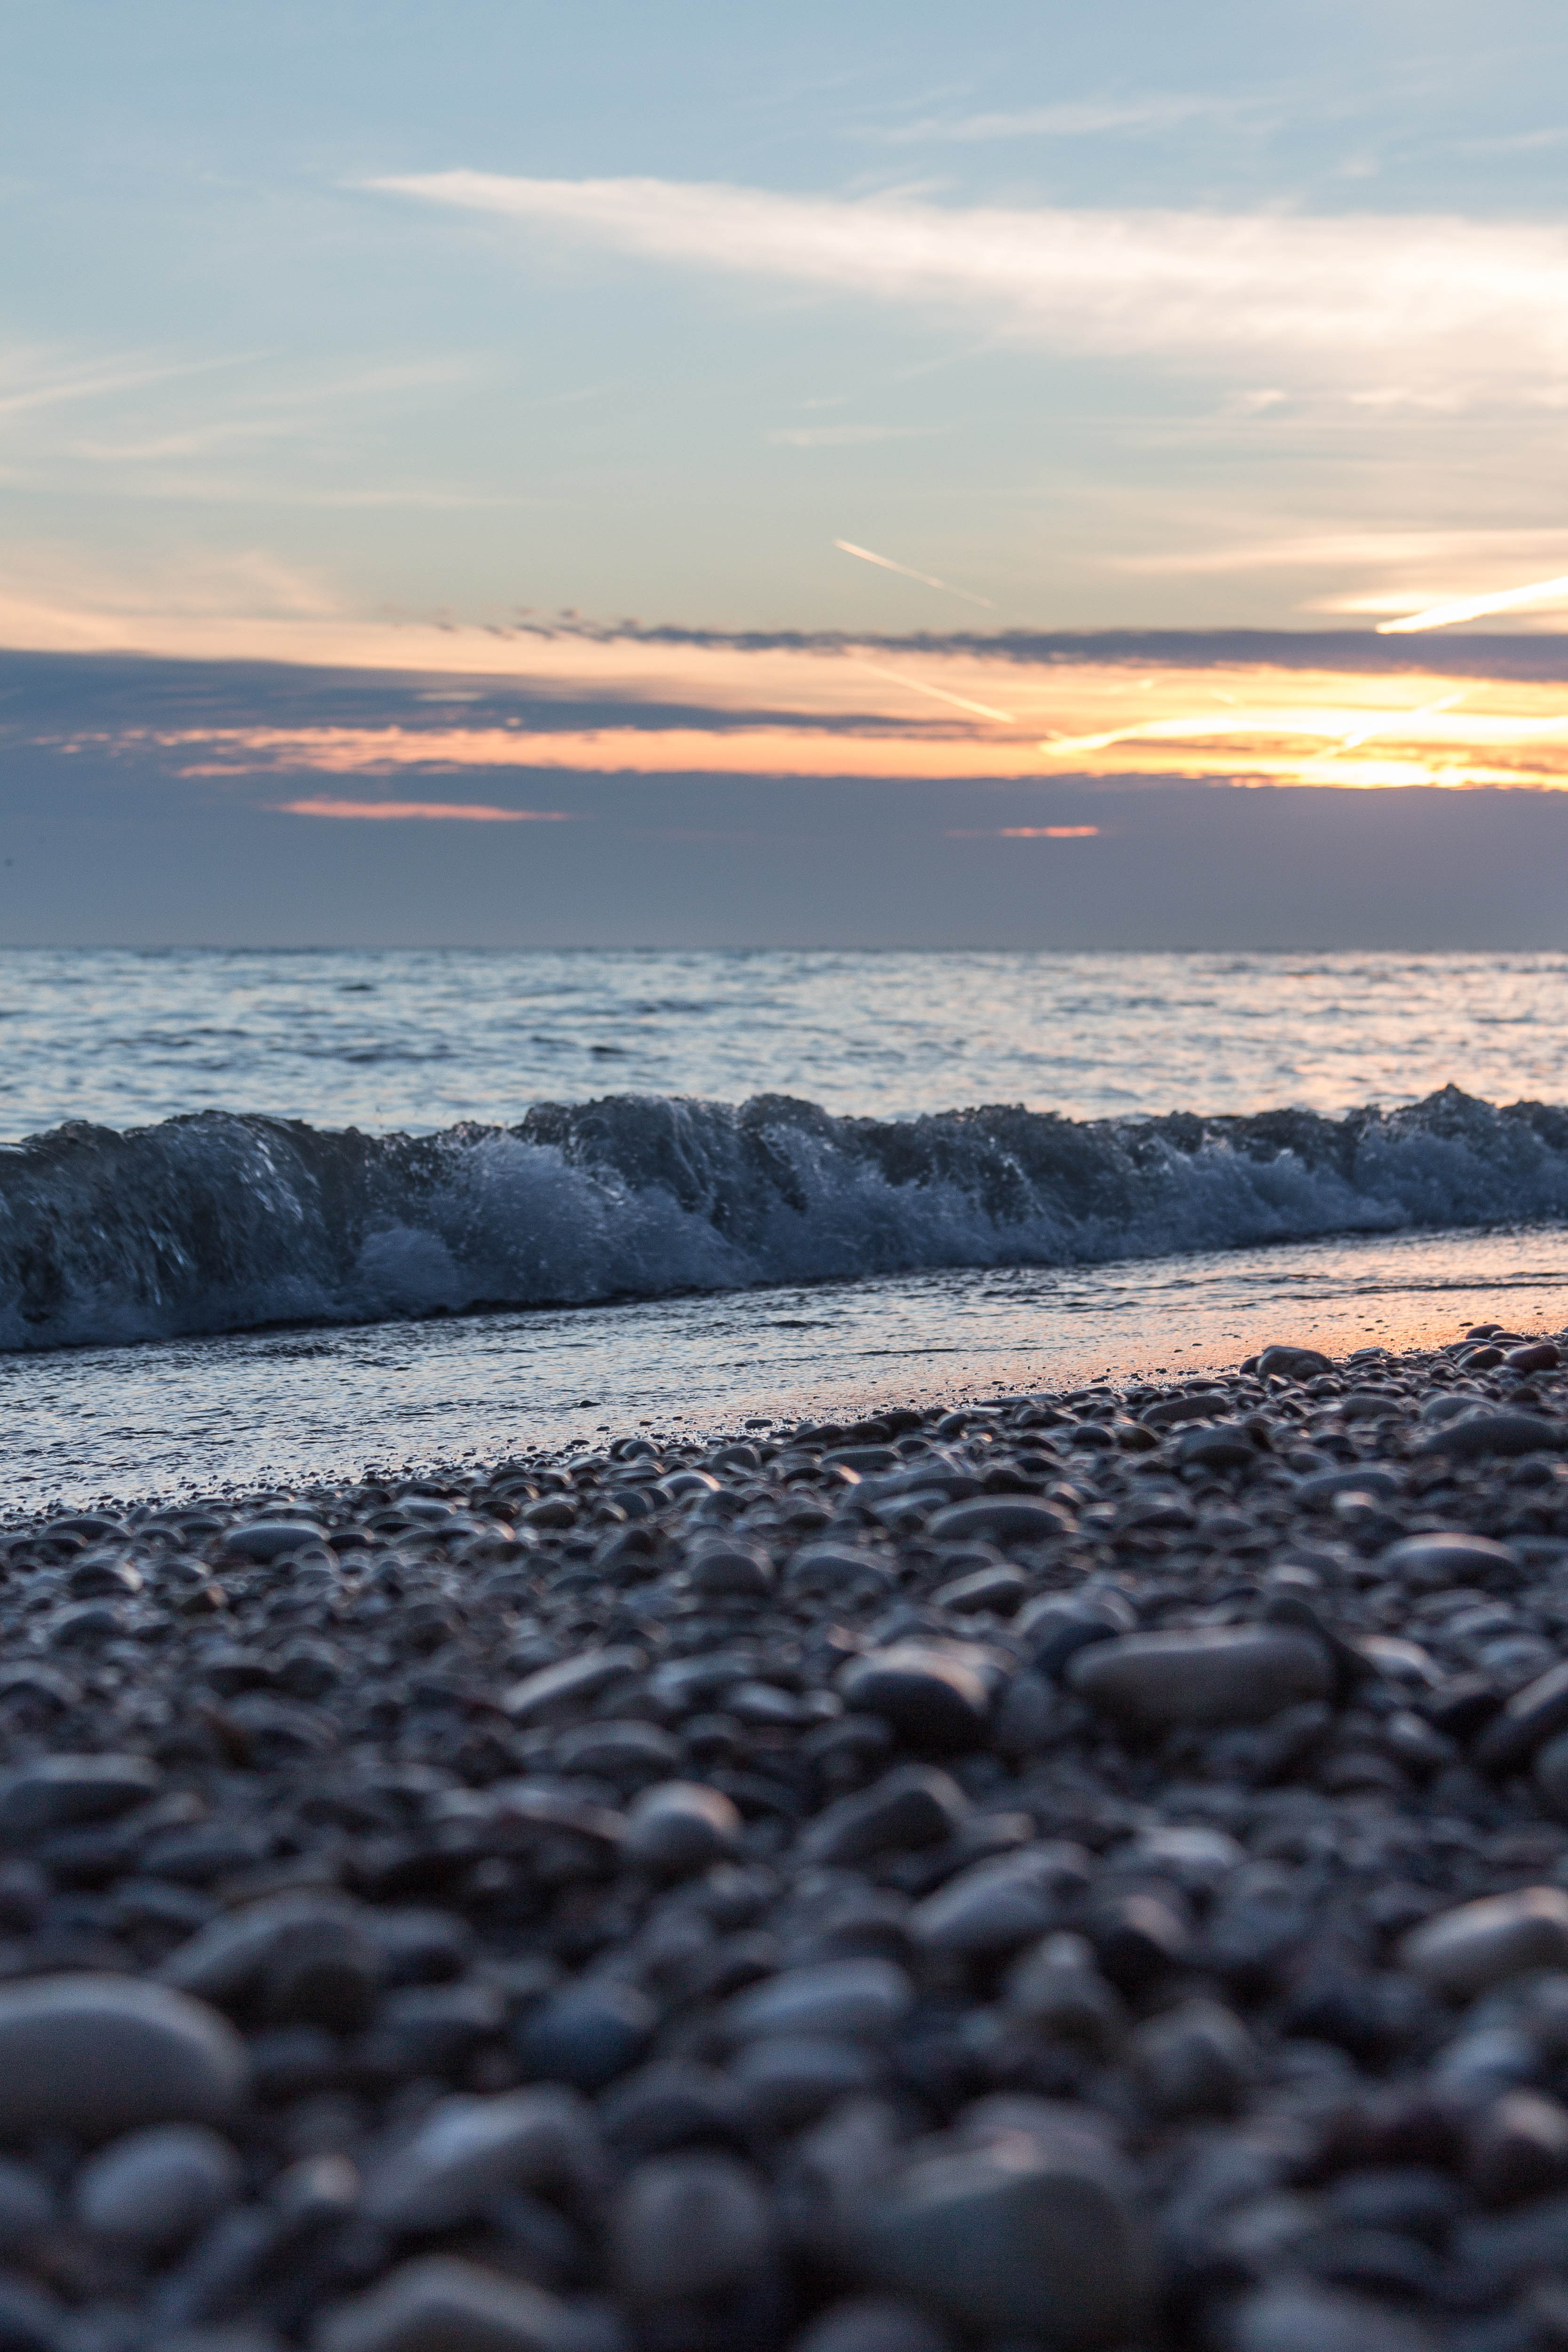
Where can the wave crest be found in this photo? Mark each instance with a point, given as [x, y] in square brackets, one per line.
[221, 1223]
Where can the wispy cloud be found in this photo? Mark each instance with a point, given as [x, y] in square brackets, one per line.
[1090, 118]
[34, 381]
[1483, 305]
[849, 436]
[463, 812]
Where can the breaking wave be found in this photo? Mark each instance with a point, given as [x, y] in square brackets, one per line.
[223, 1222]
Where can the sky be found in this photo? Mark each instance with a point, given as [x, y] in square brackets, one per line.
[508, 441]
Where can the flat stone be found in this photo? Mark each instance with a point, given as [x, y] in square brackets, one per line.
[468, 2150]
[1000, 1518]
[934, 1699]
[441, 2304]
[999, 1589]
[96, 2055]
[265, 1540]
[913, 1806]
[1212, 1674]
[1499, 1434]
[1170, 1413]
[1366, 1479]
[1445, 1558]
[555, 1690]
[1482, 1944]
[821, 1571]
[857, 1997]
[1031, 2236]
[155, 2188]
[58, 1792]
[680, 1826]
[689, 2225]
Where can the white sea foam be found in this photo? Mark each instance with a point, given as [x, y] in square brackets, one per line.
[225, 1222]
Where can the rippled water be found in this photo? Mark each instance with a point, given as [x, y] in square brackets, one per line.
[416, 1039]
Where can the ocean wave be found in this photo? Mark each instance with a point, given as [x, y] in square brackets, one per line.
[223, 1222]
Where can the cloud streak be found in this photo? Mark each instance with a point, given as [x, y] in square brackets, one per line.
[1479, 306]
[1074, 119]
[463, 812]
[1476, 608]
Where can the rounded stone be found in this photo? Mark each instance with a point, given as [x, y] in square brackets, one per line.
[442, 2305]
[1532, 1716]
[688, 2226]
[1297, 2316]
[871, 2323]
[467, 2151]
[741, 1570]
[998, 1518]
[92, 2056]
[155, 2188]
[1281, 1362]
[1196, 2059]
[996, 1908]
[1224, 1447]
[787, 2079]
[588, 2034]
[1465, 1951]
[865, 1996]
[680, 1826]
[1212, 1674]
[934, 1701]
[1034, 2237]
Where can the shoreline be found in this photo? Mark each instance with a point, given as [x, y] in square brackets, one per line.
[746, 1891]
[188, 1415]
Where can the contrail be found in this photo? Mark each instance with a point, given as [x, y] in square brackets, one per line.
[1390, 725]
[940, 693]
[927, 580]
[1470, 608]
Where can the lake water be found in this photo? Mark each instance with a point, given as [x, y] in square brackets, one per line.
[280, 1215]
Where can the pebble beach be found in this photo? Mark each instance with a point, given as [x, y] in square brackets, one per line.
[1083, 1871]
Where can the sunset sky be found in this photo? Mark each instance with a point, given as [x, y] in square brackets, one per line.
[624, 403]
